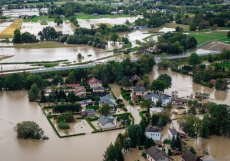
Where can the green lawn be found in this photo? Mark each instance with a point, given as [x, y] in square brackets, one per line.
[204, 37]
[38, 18]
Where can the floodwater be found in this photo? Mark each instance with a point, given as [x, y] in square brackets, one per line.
[52, 54]
[15, 107]
[36, 27]
[185, 87]
[87, 23]
[15, 13]
[4, 25]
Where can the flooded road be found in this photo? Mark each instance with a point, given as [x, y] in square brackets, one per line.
[74, 148]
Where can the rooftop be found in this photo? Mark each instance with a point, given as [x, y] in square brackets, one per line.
[156, 153]
[153, 129]
[106, 119]
[173, 131]
[189, 156]
[139, 89]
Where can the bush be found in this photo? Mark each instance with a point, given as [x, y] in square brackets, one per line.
[63, 126]
[67, 118]
[67, 108]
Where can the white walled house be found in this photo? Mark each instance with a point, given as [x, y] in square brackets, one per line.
[155, 110]
[163, 98]
[153, 133]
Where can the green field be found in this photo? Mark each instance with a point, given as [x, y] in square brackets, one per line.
[38, 18]
[204, 37]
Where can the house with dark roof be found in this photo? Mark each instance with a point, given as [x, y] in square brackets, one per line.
[155, 154]
[109, 100]
[153, 133]
[107, 122]
[88, 113]
[163, 98]
[189, 156]
[138, 92]
[135, 80]
[172, 133]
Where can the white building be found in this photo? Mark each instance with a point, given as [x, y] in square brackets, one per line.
[172, 133]
[153, 133]
[155, 98]
[155, 110]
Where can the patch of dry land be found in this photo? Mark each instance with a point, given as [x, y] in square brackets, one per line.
[9, 31]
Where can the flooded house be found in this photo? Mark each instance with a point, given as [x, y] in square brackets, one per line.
[107, 122]
[172, 132]
[189, 156]
[138, 92]
[155, 154]
[109, 100]
[155, 110]
[153, 133]
[155, 98]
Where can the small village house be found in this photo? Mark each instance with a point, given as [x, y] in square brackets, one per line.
[189, 156]
[153, 133]
[172, 133]
[138, 92]
[155, 154]
[155, 110]
[88, 113]
[155, 98]
[93, 83]
[109, 100]
[107, 122]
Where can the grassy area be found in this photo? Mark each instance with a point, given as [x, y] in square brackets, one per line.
[9, 31]
[40, 45]
[39, 18]
[204, 37]
[89, 16]
[170, 25]
[46, 65]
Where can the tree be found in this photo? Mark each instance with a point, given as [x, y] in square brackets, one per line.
[193, 27]
[104, 109]
[17, 36]
[158, 86]
[194, 59]
[114, 37]
[49, 34]
[148, 143]
[57, 79]
[58, 21]
[113, 153]
[135, 134]
[146, 104]
[71, 78]
[26, 37]
[179, 29]
[29, 130]
[228, 35]
[167, 79]
[221, 84]
[33, 92]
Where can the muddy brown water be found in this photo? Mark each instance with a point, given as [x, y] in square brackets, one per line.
[15, 107]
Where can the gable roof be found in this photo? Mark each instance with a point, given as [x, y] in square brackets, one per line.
[156, 153]
[106, 119]
[139, 89]
[156, 109]
[108, 99]
[93, 80]
[153, 129]
[189, 156]
[149, 96]
[99, 88]
[135, 77]
[173, 131]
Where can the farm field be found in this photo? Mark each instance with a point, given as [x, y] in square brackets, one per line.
[204, 37]
[170, 25]
[9, 31]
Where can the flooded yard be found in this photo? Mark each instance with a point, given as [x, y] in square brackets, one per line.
[15, 107]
